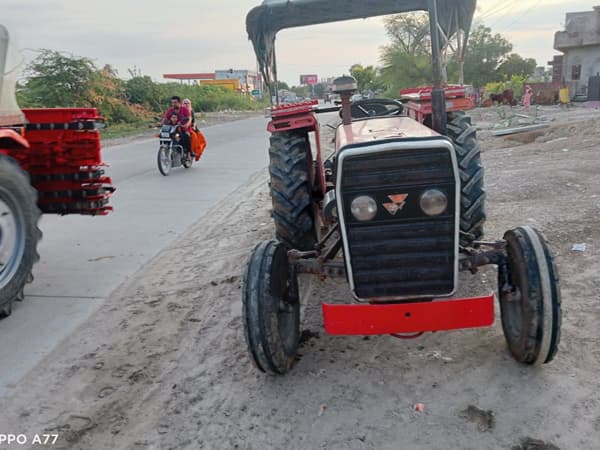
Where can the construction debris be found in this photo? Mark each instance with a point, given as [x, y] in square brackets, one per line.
[524, 129]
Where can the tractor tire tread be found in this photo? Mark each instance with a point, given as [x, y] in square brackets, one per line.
[261, 339]
[16, 179]
[468, 154]
[291, 190]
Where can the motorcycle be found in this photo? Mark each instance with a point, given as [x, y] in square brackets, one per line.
[172, 152]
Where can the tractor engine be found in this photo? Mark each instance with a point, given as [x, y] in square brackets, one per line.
[397, 193]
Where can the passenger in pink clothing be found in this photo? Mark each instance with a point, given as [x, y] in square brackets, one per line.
[527, 96]
[187, 105]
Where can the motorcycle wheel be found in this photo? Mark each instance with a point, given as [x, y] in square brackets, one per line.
[164, 160]
[187, 160]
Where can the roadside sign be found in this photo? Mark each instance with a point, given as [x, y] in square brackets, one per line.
[309, 79]
[256, 92]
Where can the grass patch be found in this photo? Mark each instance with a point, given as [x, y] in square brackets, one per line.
[121, 130]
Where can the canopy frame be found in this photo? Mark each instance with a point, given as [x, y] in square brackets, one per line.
[263, 22]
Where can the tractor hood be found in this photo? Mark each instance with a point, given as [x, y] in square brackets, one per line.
[264, 21]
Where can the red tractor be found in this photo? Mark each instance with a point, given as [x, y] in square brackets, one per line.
[397, 210]
[50, 162]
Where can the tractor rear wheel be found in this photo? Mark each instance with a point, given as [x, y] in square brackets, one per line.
[468, 154]
[530, 302]
[271, 308]
[19, 232]
[291, 189]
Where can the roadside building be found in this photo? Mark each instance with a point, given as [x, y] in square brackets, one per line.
[248, 80]
[189, 78]
[244, 81]
[580, 45]
[557, 64]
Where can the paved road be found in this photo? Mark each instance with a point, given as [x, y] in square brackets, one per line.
[83, 259]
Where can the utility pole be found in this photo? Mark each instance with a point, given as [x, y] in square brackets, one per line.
[438, 95]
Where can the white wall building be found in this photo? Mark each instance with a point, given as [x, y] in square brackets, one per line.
[580, 43]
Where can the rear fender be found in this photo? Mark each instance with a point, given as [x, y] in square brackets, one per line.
[11, 140]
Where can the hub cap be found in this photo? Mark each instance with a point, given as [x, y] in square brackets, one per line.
[286, 321]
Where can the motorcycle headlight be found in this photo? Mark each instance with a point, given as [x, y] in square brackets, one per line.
[363, 208]
[433, 202]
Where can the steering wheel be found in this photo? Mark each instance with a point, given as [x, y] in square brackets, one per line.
[376, 107]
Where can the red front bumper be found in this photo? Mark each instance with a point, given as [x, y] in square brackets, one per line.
[399, 318]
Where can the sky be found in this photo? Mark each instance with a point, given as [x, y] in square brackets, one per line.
[184, 36]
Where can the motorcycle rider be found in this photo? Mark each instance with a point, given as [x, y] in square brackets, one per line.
[183, 120]
[174, 120]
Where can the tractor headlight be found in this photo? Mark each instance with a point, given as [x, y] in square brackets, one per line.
[433, 202]
[363, 208]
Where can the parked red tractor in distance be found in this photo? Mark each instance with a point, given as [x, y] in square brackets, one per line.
[51, 163]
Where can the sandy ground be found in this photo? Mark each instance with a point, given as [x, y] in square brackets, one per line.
[163, 364]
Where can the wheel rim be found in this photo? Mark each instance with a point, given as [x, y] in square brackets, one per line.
[513, 287]
[165, 159]
[513, 312]
[286, 322]
[286, 307]
[12, 237]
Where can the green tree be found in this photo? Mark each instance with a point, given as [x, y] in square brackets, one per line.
[143, 91]
[54, 79]
[319, 89]
[407, 59]
[517, 65]
[282, 85]
[485, 54]
[108, 94]
[367, 77]
[403, 70]
[58, 80]
[300, 91]
[409, 33]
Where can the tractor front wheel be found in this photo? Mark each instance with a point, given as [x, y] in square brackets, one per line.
[291, 189]
[271, 308]
[529, 291]
[19, 233]
[468, 155]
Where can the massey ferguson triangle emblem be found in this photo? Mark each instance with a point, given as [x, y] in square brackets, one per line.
[398, 202]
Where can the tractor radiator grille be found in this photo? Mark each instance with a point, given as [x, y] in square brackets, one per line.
[407, 254]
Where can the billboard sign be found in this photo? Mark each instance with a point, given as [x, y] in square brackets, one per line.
[309, 79]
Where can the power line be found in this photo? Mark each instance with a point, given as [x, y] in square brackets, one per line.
[522, 15]
[497, 9]
[505, 12]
